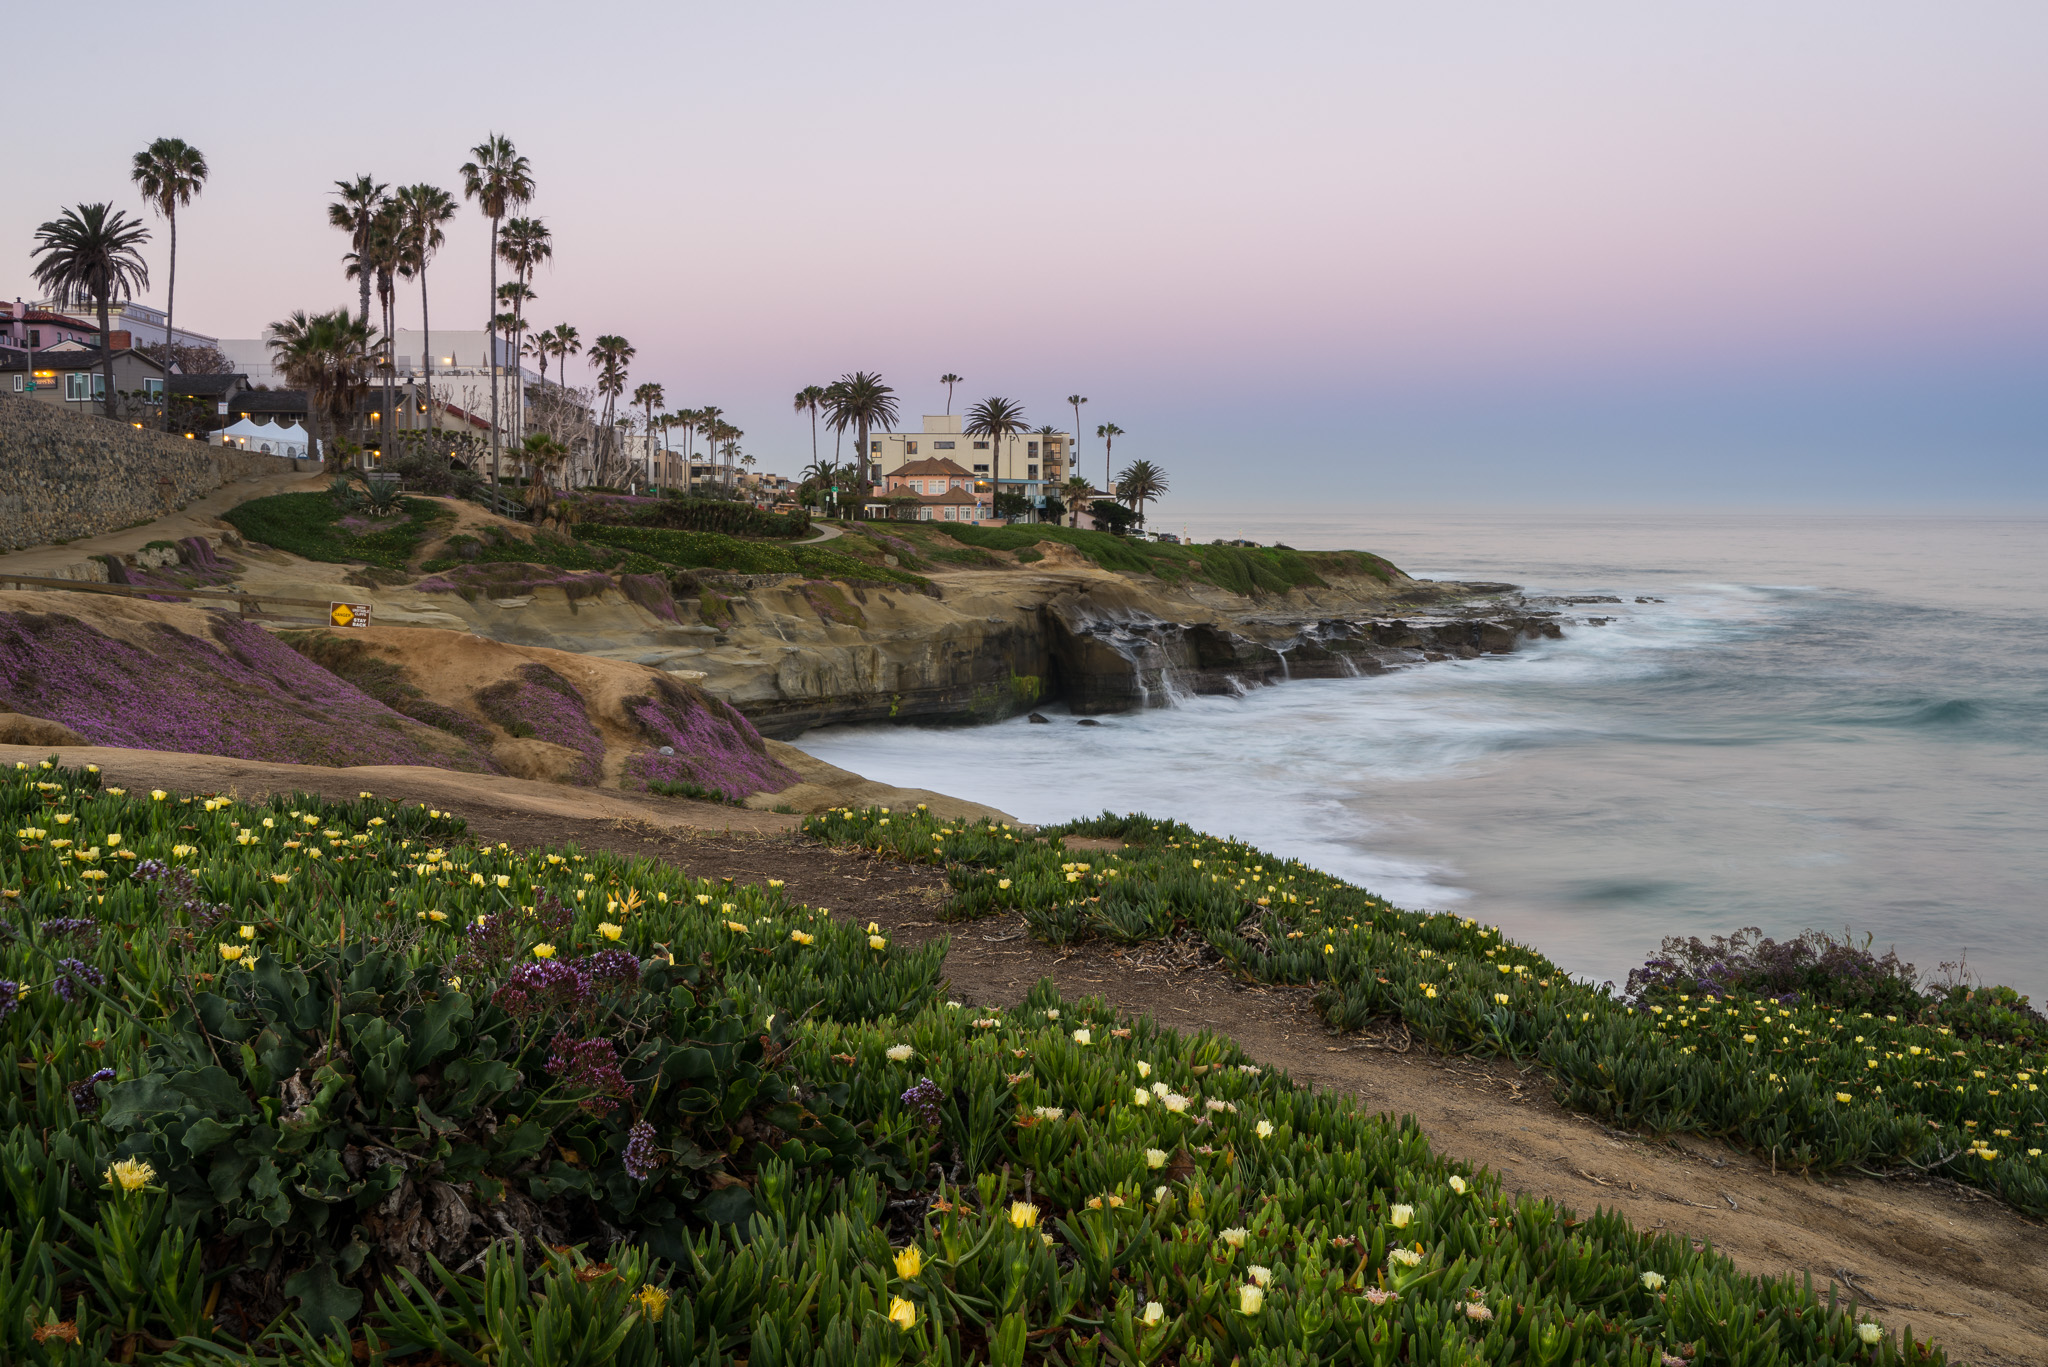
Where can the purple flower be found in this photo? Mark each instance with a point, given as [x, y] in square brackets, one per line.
[714, 746]
[63, 926]
[641, 1157]
[924, 1098]
[73, 976]
[613, 967]
[10, 997]
[83, 1093]
[591, 1065]
[544, 985]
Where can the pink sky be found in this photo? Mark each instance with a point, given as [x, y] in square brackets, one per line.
[1332, 232]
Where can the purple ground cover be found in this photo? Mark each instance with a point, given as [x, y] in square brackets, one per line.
[542, 704]
[244, 694]
[512, 580]
[715, 747]
[650, 591]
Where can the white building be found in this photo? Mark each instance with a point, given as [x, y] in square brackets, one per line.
[144, 325]
[1033, 464]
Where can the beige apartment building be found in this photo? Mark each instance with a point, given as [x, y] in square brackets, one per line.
[1033, 464]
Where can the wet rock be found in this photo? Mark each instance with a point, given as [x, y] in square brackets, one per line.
[1087, 721]
[1037, 720]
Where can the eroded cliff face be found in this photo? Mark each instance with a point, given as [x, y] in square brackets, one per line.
[792, 654]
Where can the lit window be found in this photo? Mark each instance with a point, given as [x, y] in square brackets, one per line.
[874, 448]
[911, 447]
[942, 446]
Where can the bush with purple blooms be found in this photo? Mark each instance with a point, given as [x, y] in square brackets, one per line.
[540, 703]
[1814, 968]
[715, 748]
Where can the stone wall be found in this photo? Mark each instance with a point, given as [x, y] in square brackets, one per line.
[68, 475]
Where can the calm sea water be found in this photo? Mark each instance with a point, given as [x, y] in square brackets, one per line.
[1827, 722]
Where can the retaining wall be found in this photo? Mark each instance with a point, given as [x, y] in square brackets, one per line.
[68, 475]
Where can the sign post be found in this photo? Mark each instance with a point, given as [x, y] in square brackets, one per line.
[349, 614]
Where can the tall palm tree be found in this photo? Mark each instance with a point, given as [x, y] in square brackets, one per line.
[711, 423]
[381, 260]
[566, 342]
[327, 355]
[354, 211]
[999, 420]
[949, 379]
[1140, 481]
[811, 397]
[523, 244]
[1073, 491]
[649, 397]
[169, 172]
[499, 179]
[1075, 401]
[1109, 432]
[609, 354]
[94, 250]
[425, 208]
[861, 401]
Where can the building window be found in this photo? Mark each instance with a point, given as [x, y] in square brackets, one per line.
[942, 446]
[35, 337]
[874, 472]
[874, 448]
[981, 469]
[154, 389]
[910, 447]
[77, 387]
[980, 446]
[1031, 448]
[1031, 472]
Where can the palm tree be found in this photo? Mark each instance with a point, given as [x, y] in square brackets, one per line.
[93, 250]
[649, 397]
[1141, 480]
[1076, 400]
[949, 379]
[610, 354]
[565, 343]
[169, 172]
[811, 397]
[382, 259]
[355, 213]
[328, 356]
[424, 209]
[860, 401]
[999, 420]
[543, 456]
[711, 423]
[499, 179]
[1073, 491]
[523, 244]
[1109, 432]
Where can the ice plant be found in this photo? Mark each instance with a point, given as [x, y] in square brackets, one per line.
[1264, 1130]
[1023, 1215]
[1234, 1237]
[1250, 1299]
[130, 1174]
[902, 1313]
[1653, 1281]
[1400, 1216]
[1155, 1158]
[652, 1300]
[1155, 1313]
[909, 1262]
[899, 1053]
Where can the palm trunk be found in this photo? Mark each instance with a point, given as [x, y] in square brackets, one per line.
[427, 341]
[363, 272]
[170, 313]
[109, 405]
[1108, 480]
[493, 329]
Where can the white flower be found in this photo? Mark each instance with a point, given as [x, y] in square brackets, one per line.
[1400, 1216]
[1144, 1068]
[1458, 1185]
[1407, 1257]
[1083, 1037]
[1176, 1103]
[1159, 1194]
[1262, 1275]
[899, 1052]
[1050, 1113]
[1141, 1097]
[1870, 1331]
[1249, 1299]
[955, 1006]
[1160, 1089]
[1653, 1281]
[1155, 1158]
[1264, 1129]
[1235, 1236]
[1052, 1013]
[1154, 1313]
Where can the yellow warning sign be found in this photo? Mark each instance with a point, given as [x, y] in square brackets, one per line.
[349, 614]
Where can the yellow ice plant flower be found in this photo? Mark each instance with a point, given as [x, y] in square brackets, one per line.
[652, 1300]
[877, 942]
[1870, 1331]
[1234, 1237]
[1501, 998]
[113, 839]
[1264, 1129]
[1141, 1097]
[737, 927]
[248, 932]
[909, 1262]
[437, 915]
[1844, 1098]
[158, 795]
[1251, 1298]
[280, 878]
[1457, 1184]
[130, 1174]
[1083, 1037]
[183, 851]
[802, 937]
[231, 952]
[1653, 1281]
[543, 951]
[1155, 1313]
[902, 1313]
[1023, 1215]
[773, 883]
[610, 930]
[1144, 1068]
[703, 899]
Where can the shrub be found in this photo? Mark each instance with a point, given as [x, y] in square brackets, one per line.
[1816, 968]
[708, 550]
[682, 512]
[310, 526]
[548, 707]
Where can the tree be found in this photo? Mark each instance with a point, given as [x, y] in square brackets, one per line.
[811, 397]
[566, 342]
[1140, 482]
[544, 456]
[1076, 491]
[949, 379]
[381, 259]
[355, 213]
[998, 420]
[328, 356]
[1111, 516]
[523, 244]
[1075, 401]
[94, 250]
[649, 397]
[711, 426]
[860, 401]
[499, 179]
[609, 354]
[169, 172]
[424, 208]
[1109, 432]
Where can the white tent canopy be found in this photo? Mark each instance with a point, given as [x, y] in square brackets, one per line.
[265, 437]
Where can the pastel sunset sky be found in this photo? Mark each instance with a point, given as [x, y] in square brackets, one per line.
[1588, 253]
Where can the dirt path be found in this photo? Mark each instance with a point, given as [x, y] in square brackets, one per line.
[198, 518]
[1951, 1263]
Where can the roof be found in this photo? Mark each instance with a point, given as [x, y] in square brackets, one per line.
[207, 386]
[931, 465]
[87, 359]
[286, 401]
[35, 315]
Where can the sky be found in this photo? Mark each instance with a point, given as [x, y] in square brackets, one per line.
[1340, 256]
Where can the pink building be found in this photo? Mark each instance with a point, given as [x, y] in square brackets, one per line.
[945, 492]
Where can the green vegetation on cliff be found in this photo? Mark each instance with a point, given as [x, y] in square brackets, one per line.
[712, 551]
[315, 527]
[314, 1082]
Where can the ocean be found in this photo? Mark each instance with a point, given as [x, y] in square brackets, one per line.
[1825, 721]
